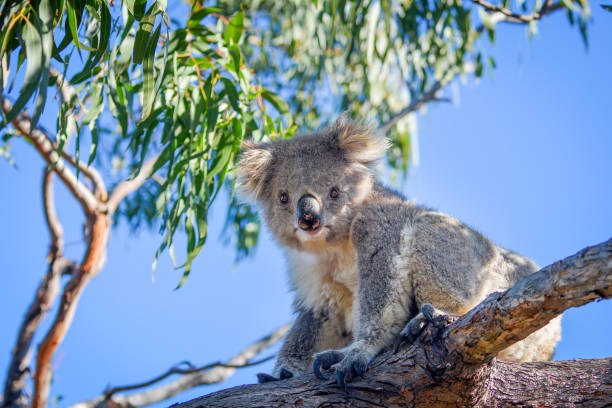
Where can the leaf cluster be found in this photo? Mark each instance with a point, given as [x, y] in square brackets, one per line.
[185, 89]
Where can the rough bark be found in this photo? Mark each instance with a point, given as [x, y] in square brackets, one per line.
[452, 362]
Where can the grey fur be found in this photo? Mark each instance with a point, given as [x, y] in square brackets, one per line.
[377, 258]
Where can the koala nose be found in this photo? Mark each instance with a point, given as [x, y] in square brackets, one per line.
[309, 210]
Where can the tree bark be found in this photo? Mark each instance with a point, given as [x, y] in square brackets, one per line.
[453, 364]
[92, 263]
[427, 375]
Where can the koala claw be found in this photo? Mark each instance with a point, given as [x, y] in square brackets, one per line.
[428, 311]
[283, 375]
[415, 326]
[358, 370]
[325, 360]
[350, 364]
[354, 363]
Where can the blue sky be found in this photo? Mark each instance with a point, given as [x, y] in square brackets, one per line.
[524, 157]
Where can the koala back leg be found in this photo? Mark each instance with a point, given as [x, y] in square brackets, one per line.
[311, 332]
[538, 346]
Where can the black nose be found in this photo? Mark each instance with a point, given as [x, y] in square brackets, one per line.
[309, 218]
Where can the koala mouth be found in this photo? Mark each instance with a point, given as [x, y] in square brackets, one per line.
[310, 226]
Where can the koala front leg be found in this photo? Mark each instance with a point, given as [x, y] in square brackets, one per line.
[384, 300]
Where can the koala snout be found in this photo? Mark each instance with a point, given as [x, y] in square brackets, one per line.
[309, 213]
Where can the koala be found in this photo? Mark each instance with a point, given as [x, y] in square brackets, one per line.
[367, 266]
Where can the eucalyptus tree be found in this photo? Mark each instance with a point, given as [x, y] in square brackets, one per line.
[163, 96]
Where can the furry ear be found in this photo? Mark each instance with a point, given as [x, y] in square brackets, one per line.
[252, 167]
[360, 143]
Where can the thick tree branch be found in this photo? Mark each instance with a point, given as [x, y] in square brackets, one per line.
[48, 150]
[209, 374]
[42, 302]
[502, 319]
[90, 266]
[435, 372]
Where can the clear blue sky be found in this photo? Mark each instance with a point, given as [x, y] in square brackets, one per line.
[525, 158]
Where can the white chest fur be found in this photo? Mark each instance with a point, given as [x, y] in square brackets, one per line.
[324, 280]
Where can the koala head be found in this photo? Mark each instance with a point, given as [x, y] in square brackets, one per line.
[308, 186]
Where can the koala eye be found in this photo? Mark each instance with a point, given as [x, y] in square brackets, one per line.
[333, 193]
[284, 198]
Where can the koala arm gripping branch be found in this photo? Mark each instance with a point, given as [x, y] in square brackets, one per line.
[384, 301]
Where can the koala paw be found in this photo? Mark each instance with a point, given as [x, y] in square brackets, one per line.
[416, 325]
[350, 361]
[283, 375]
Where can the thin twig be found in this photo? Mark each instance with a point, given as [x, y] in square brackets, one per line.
[430, 95]
[175, 370]
[212, 375]
[512, 17]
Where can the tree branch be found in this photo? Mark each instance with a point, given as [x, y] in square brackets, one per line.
[501, 14]
[48, 150]
[92, 262]
[42, 302]
[177, 370]
[502, 319]
[128, 186]
[511, 17]
[68, 94]
[434, 370]
[209, 374]
[430, 95]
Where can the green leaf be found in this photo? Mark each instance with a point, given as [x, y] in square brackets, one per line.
[142, 38]
[234, 28]
[194, 246]
[34, 58]
[232, 95]
[96, 107]
[46, 16]
[607, 7]
[236, 56]
[73, 23]
[196, 17]
[94, 142]
[212, 115]
[136, 8]
[148, 84]
[96, 56]
[279, 104]
[221, 159]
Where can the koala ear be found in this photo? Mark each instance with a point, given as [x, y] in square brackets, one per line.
[360, 143]
[254, 162]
